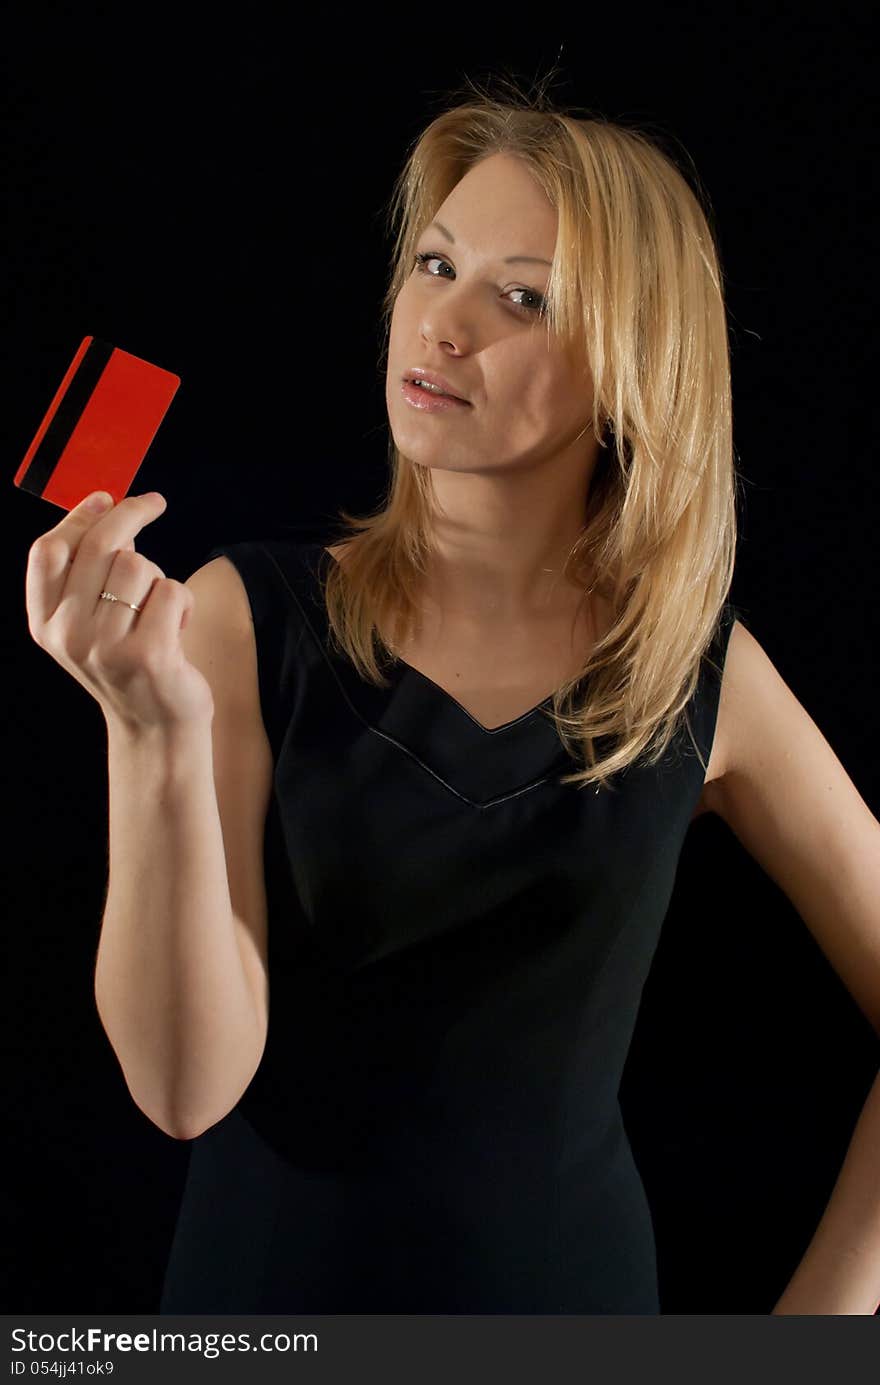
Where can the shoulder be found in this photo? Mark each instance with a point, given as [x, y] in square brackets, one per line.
[220, 589]
[751, 687]
[251, 582]
[761, 727]
[220, 639]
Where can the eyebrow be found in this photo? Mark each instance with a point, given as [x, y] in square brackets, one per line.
[509, 259]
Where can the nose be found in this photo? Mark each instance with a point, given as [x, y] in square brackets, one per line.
[449, 323]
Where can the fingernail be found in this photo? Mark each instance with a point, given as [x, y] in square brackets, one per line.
[99, 501]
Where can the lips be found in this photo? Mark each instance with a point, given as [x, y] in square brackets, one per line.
[431, 401]
[432, 377]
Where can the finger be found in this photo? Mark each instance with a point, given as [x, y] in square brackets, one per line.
[113, 533]
[52, 554]
[131, 579]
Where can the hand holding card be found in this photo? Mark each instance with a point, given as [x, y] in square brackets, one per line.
[126, 652]
[97, 430]
[105, 613]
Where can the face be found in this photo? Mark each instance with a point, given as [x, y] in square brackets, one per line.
[468, 315]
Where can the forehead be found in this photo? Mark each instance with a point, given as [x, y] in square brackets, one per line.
[500, 198]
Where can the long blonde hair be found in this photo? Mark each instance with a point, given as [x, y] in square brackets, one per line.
[636, 282]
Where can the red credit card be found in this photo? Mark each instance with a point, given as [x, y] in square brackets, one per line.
[97, 430]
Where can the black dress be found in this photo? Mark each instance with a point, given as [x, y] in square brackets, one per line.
[457, 951]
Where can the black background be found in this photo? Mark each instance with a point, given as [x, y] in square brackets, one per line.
[208, 192]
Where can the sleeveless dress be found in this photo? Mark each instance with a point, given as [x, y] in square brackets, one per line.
[457, 951]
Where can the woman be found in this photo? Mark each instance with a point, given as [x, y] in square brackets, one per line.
[457, 934]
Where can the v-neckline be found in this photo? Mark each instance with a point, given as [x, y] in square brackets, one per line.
[480, 765]
[451, 698]
[487, 730]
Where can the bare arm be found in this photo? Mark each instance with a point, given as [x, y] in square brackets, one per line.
[181, 975]
[171, 988]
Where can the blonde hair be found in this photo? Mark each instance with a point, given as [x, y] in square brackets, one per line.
[636, 282]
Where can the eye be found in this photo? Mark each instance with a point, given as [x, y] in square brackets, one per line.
[536, 308]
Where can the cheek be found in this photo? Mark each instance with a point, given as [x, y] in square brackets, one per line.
[540, 407]
[531, 387]
[563, 388]
[514, 370]
[403, 304]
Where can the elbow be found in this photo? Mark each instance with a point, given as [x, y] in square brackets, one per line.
[175, 1129]
[183, 1130]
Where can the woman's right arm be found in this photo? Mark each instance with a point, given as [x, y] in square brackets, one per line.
[171, 987]
[181, 980]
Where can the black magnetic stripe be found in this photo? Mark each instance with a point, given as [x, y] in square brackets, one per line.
[67, 415]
